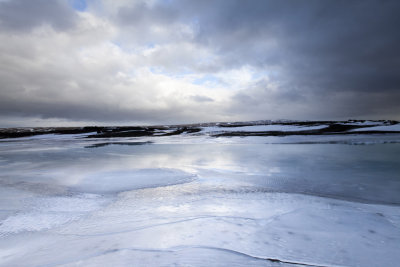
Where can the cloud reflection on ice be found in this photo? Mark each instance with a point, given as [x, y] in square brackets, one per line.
[200, 204]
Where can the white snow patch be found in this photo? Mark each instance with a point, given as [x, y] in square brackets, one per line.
[263, 128]
[364, 123]
[394, 128]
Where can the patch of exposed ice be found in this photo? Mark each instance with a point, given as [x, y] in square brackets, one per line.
[130, 179]
[356, 138]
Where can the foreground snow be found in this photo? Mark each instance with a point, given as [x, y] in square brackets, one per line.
[191, 200]
[203, 226]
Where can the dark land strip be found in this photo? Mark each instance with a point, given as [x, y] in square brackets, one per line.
[332, 128]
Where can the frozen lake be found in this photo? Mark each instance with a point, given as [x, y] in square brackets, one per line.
[74, 202]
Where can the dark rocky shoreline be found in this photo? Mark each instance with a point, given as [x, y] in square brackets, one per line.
[332, 128]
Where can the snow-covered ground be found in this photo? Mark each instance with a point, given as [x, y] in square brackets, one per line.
[262, 128]
[197, 200]
[395, 127]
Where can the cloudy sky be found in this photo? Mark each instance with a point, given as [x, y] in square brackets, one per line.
[108, 62]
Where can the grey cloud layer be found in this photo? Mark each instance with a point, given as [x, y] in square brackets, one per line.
[22, 15]
[182, 61]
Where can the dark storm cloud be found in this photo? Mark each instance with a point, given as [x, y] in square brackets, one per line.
[341, 44]
[330, 48]
[22, 15]
[91, 112]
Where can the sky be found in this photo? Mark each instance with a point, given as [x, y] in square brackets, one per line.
[120, 62]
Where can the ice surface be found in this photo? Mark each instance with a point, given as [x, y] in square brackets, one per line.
[124, 180]
[201, 201]
[42, 213]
